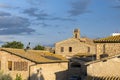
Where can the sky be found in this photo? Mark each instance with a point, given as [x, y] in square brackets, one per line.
[46, 22]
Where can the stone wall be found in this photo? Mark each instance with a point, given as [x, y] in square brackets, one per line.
[107, 48]
[5, 57]
[108, 68]
[50, 71]
[77, 47]
[53, 71]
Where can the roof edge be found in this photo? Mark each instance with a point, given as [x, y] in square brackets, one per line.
[59, 61]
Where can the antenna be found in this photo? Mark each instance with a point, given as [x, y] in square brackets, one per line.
[27, 47]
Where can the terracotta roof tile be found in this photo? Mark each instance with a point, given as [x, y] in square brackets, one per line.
[110, 39]
[36, 56]
[103, 78]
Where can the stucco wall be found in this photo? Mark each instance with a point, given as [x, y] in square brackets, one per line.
[110, 49]
[77, 47]
[53, 71]
[50, 71]
[109, 68]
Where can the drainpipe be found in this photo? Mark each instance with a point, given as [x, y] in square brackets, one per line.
[30, 69]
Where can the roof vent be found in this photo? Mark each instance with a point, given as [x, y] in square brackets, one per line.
[115, 34]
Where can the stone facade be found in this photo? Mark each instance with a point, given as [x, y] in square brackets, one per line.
[108, 68]
[107, 48]
[46, 71]
[75, 45]
[5, 57]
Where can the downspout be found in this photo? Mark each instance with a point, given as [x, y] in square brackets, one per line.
[30, 69]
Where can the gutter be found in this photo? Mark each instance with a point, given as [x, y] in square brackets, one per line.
[30, 69]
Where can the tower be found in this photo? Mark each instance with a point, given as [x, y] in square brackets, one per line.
[76, 33]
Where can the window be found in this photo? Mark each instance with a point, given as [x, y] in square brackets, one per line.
[62, 49]
[20, 66]
[103, 48]
[75, 35]
[70, 49]
[10, 65]
[88, 49]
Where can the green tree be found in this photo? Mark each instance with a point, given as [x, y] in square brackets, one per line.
[39, 47]
[13, 44]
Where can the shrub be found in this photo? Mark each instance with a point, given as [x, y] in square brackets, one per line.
[18, 77]
[5, 76]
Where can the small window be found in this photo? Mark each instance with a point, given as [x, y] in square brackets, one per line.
[62, 49]
[10, 65]
[88, 49]
[70, 49]
[104, 49]
[75, 35]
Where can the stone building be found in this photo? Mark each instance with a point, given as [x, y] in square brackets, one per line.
[106, 67]
[33, 64]
[108, 46]
[90, 68]
[75, 45]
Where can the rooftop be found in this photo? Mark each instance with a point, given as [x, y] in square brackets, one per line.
[37, 56]
[110, 39]
[84, 57]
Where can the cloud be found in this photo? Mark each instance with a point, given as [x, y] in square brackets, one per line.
[62, 19]
[62, 32]
[41, 15]
[4, 14]
[34, 12]
[14, 25]
[5, 6]
[117, 7]
[35, 2]
[79, 7]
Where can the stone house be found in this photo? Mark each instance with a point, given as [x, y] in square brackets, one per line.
[33, 64]
[106, 67]
[75, 45]
[90, 68]
[108, 46]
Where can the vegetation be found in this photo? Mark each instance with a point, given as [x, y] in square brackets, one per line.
[5, 76]
[39, 47]
[13, 44]
[18, 77]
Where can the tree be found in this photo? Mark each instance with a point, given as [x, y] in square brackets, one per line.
[13, 44]
[39, 47]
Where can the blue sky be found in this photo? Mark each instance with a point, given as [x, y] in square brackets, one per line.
[48, 21]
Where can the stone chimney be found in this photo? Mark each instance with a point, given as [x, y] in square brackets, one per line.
[76, 33]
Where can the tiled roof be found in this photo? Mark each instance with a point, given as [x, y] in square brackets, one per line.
[103, 78]
[110, 39]
[36, 56]
[103, 59]
[86, 40]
